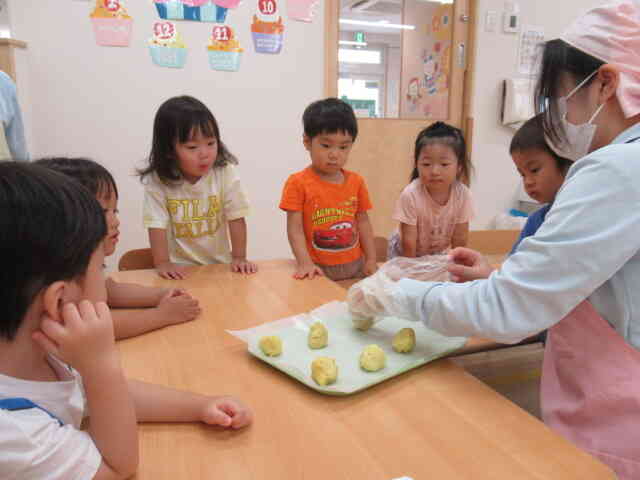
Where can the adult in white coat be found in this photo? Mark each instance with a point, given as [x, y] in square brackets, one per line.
[579, 275]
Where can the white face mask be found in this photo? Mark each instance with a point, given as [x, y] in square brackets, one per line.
[578, 137]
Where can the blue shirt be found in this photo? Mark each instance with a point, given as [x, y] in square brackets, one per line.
[535, 220]
[11, 119]
[587, 248]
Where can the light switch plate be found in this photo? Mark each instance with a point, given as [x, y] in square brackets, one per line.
[490, 21]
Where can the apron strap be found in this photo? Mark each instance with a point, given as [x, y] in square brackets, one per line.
[14, 404]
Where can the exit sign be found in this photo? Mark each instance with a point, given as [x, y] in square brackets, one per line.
[359, 37]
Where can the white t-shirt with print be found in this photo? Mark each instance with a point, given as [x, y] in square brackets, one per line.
[195, 216]
[33, 444]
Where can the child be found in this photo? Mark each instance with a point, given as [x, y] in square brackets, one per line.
[542, 171]
[327, 222]
[192, 193]
[171, 306]
[435, 208]
[58, 358]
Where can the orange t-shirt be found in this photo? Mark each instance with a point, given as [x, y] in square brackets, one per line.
[328, 214]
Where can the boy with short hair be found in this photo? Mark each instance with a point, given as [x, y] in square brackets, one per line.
[327, 222]
[58, 357]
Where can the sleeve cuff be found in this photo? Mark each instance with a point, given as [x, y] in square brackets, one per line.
[237, 214]
[155, 224]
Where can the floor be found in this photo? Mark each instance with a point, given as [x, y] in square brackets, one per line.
[513, 372]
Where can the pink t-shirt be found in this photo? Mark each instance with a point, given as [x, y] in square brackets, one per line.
[416, 207]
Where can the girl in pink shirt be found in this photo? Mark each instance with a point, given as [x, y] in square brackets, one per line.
[435, 208]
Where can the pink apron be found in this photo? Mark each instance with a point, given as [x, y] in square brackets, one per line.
[590, 391]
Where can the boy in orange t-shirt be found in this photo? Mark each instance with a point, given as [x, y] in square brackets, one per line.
[327, 221]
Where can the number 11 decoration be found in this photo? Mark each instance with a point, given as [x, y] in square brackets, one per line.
[224, 49]
[267, 29]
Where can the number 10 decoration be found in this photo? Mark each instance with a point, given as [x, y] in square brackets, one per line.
[267, 29]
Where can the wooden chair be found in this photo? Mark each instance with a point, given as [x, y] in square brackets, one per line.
[492, 241]
[139, 259]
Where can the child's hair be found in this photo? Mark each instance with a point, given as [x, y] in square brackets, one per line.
[91, 175]
[49, 228]
[177, 120]
[330, 115]
[530, 136]
[443, 134]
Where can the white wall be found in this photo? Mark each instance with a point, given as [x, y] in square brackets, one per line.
[496, 180]
[100, 102]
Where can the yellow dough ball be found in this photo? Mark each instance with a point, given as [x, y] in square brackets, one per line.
[318, 336]
[324, 371]
[372, 358]
[404, 341]
[271, 345]
[362, 323]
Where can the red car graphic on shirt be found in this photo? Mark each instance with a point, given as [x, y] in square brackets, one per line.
[339, 236]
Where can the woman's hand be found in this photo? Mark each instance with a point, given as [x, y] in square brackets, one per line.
[468, 265]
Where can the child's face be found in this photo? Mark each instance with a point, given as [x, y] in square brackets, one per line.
[92, 285]
[197, 156]
[329, 151]
[109, 203]
[540, 174]
[437, 166]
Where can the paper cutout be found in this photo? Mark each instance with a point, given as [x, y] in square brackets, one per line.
[224, 49]
[167, 47]
[111, 23]
[267, 29]
[195, 10]
[301, 10]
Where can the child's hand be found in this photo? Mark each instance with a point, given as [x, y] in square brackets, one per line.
[242, 265]
[307, 271]
[84, 338]
[171, 292]
[370, 267]
[177, 306]
[171, 271]
[226, 412]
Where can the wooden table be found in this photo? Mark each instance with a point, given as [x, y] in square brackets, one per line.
[435, 422]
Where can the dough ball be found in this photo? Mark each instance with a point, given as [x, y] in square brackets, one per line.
[372, 358]
[324, 371]
[271, 345]
[362, 323]
[318, 336]
[404, 341]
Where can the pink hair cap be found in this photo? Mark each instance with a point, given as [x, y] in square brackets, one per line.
[611, 33]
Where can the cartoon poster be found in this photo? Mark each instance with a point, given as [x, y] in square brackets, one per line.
[267, 29]
[167, 48]
[426, 62]
[224, 49]
[112, 24]
[195, 10]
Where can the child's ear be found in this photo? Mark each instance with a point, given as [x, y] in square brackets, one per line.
[53, 299]
[306, 141]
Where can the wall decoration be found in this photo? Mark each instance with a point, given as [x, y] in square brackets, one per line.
[301, 10]
[224, 49]
[426, 61]
[195, 10]
[267, 29]
[167, 47]
[111, 23]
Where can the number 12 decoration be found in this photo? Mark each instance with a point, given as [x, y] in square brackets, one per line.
[167, 47]
[267, 29]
